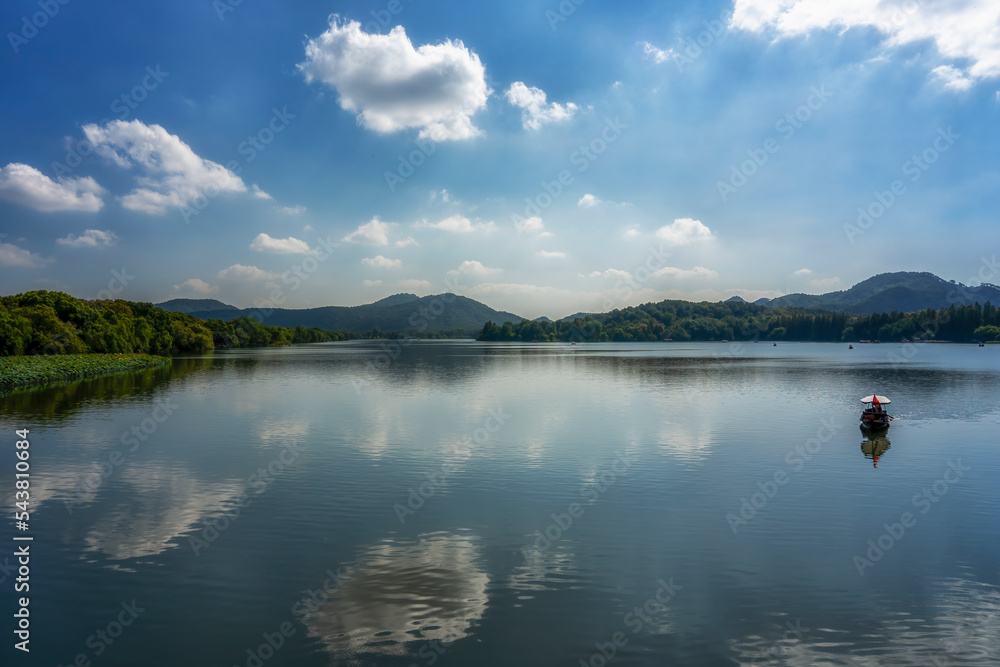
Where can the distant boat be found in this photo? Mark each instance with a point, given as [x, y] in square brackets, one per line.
[982, 345]
[874, 417]
[850, 347]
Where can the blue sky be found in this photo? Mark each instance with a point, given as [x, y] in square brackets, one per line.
[542, 157]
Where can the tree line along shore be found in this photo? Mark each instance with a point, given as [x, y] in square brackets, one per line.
[52, 336]
[741, 321]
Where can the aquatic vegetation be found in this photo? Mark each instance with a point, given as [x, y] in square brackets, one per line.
[41, 369]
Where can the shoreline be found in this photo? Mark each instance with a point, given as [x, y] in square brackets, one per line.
[37, 371]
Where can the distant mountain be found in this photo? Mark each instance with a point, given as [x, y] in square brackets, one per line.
[542, 319]
[189, 306]
[736, 299]
[401, 312]
[575, 316]
[396, 299]
[904, 291]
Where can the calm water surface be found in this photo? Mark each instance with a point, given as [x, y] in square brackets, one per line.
[491, 504]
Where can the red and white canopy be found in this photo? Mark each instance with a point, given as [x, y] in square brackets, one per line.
[875, 398]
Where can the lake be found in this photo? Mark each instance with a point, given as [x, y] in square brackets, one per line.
[458, 503]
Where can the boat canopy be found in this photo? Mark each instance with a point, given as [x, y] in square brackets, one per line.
[870, 398]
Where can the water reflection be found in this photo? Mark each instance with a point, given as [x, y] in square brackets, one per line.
[405, 591]
[874, 446]
[62, 400]
[160, 506]
[958, 627]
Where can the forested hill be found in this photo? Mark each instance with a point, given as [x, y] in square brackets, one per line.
[401, 313]
[44, 322]
[903, 291]
[741, 321]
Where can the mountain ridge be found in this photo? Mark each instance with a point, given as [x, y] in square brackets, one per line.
[405, 313]
[902, 291]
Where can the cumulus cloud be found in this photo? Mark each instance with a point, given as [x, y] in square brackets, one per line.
[381, 262]
[471, 267]
[414, 284]
[244, 272]
[674, 272]
[952, 78]
[657, 55]
[551, 254]
[289, 246]
[632, 232]
[618, 274]
[25, 185]
[683, 231]
[963, 32]
[803, 272]
[11, 255]
[456, 223]
[408, 241]
[91, 238]
[258, 193]
[535, 112]
[393, 86]
[174, 176]
[196, 286]
[373, 232]
[298, 209]
[533, 225]
[588, 201]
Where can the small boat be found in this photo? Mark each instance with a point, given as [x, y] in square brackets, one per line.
[850, 347]
[982, 345]
[874, 417]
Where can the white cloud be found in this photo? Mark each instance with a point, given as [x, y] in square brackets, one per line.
[174, 175]
[657, 55]
[443, 195]
[534, 110]
[244, 272]
[298, 209]
[373, 232]
[91, 238]
[11, 255]
[371, 283]
[393, 86]
[632, 232]
[289, 246]
[456, 223]
[25, 185]
[258, 193]
[414, 284]
[588, 201]
[408, 241]
[533, 225]
[683, 231]
[471, 267]
[952, 78]
[381, 262]
[963, 32]
[551, 254]
[612, 273]
[803, 272]
[196, 286]
[696, 272]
